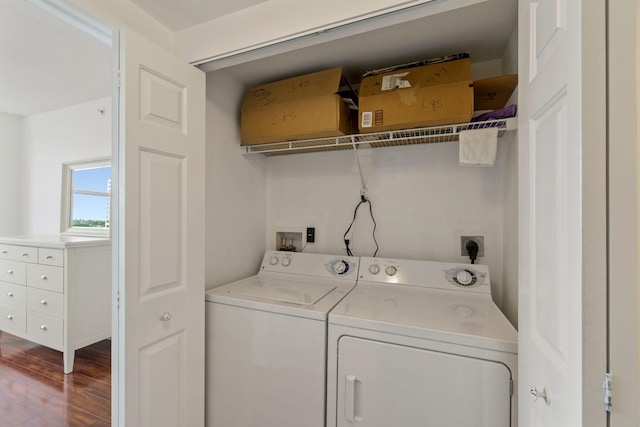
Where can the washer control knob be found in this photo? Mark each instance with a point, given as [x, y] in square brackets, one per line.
[464, 278]
[374, 269]
[340, 266]
[391, 270]
[273, 260]
[285, 262]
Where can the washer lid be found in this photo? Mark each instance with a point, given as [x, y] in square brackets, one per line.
[464, 318]
[288, 294]
[283, 290]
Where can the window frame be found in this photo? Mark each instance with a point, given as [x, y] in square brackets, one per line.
[66, 208]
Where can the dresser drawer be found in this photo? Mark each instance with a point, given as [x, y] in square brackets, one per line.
[45, 302]
[51, 257]
[13, 318]
[45, 277]
[13, 271]
[19, 253]
[45, 329]
[13, 294]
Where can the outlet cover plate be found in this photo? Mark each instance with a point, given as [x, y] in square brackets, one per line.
[463, 244]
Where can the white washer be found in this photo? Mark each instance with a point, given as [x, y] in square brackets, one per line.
[266, 341]
[420, 343]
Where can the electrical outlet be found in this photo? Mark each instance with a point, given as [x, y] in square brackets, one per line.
[463, 245]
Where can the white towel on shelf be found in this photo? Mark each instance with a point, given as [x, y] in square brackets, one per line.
[478, 147]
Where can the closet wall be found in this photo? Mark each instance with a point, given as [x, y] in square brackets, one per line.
[70, 134]
[423, 199]
[235, 189]
[11, 142]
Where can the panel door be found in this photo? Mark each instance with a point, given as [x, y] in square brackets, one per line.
[382, 385]
[550, 214]
[161, 277]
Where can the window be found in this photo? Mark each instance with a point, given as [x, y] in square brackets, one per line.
[86, 198]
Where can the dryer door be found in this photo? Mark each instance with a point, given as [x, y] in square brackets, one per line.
[382, 385]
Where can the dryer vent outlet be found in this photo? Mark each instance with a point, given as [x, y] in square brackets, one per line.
[466, 239]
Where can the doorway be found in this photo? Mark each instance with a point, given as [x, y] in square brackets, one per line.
[56, 108]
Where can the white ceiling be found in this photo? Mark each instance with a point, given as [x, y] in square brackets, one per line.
[178, 15]
[46, 63]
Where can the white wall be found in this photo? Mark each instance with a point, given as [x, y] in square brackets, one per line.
[510, 195]
[235, 189]
[75, 133]
[510, 228]
[423, 201]
[11, 142]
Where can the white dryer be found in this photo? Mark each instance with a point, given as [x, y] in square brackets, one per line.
[420, 343]
[266, 341]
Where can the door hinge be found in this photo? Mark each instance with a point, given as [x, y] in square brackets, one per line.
[119, 79]
[606, 388]
[511, 387]
[118, 300]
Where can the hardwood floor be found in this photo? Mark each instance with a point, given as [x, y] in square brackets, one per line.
[35, 392]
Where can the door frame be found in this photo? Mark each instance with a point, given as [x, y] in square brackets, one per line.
[108, 35]
[623, 35]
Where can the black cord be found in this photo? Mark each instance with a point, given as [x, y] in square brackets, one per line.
[363, 200]
[472, 250]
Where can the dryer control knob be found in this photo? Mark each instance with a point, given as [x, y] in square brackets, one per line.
[273, 260]
[391, 270]
[374, 269]
[285, 261]
[464, 278]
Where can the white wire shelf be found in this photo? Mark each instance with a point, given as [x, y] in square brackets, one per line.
[448, 133]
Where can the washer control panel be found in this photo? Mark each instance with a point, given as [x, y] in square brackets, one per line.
[308, 264]
[430, 274]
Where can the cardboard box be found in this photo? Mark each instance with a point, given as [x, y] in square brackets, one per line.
[493, 93]
[302, 107]
[411, 96]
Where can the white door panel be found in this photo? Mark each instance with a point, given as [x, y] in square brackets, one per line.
[550, 330]
[161, 164]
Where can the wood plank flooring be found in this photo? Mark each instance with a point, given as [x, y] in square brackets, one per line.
[35, 392]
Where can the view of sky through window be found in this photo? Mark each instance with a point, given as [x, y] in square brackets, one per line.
[90, 207]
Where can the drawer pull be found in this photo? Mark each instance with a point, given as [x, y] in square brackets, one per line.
[49, 256]
[43, 302]
[43, 277]
[9, 294]
[10, 317]
[43, 327]
[4, 252]
[9, 271]
[25, 254]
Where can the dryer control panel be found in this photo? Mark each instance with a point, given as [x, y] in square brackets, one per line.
[428, 274]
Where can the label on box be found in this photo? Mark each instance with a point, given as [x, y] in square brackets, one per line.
[395, 81]
[367, 119]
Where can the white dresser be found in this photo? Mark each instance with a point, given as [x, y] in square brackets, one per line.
[56, 291]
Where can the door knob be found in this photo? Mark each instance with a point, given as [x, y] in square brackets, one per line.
[544, 395]
[165, 316]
